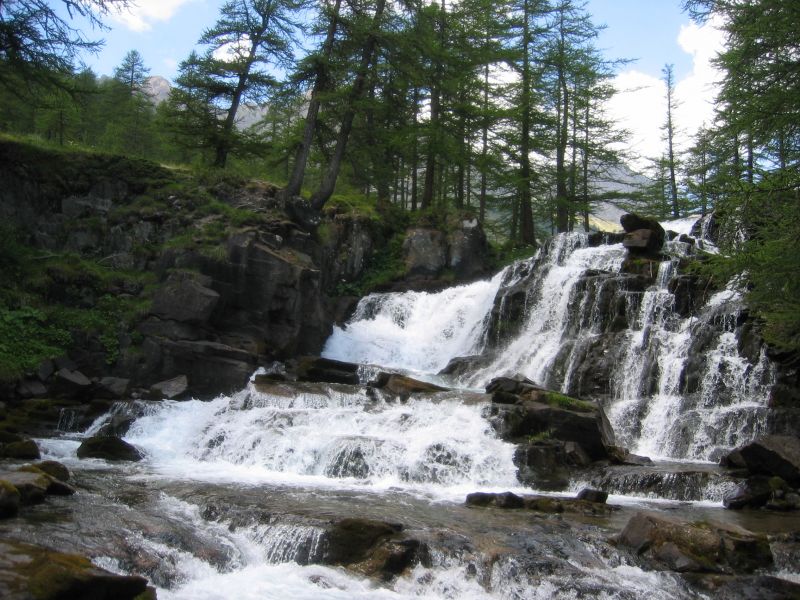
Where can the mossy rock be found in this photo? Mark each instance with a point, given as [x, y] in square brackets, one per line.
[24, 450]
[9, 499]
[54, 469]
[108, 448]
[32, 572]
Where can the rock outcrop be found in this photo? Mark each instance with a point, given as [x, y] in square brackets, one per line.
[664, 543]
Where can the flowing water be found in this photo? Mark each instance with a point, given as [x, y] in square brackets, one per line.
[236, 497]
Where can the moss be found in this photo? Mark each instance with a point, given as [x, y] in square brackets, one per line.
[568, 403]
[541, 436]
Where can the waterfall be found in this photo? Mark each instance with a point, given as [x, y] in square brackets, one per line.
[329, 436]
[675, 386]
[416, 331]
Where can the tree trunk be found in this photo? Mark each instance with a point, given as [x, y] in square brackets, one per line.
[295, 182]
[526, 226]
[328, 184]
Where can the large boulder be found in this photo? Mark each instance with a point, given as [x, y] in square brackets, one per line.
[424, 252]
[28, 571]
[543, 414]
[10, 499]
[469, 250]
[325, 370]
[185, 297]
[665, 543]
[777, 455]
[170, 388]
[32, 487]
[402, 386]
[22, 450]
[642, 235]
[108, 448]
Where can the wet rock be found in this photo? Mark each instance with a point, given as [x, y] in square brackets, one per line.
[770, 455]
[763, 587]
[543, 413]
[351, 540]
[55, 486]
[591, 495]
[621, 456]
[751, 493]
[28, 572]
[501, 500]
[170, 389]
[10, 499]
[547, 464]
[108, 448]
[403, 386]
[22, 450]
[32, 487]
[185, 297]
[664, 543]
[317, 369]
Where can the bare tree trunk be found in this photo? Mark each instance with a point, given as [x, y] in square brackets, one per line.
[328, 184]
[295, 182]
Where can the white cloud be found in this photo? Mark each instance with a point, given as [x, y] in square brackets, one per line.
[142, 14]
[640, 104]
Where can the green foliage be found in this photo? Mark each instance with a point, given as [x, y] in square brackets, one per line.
[26, 339]
[568, 403]
[542, 436]
[384, 267]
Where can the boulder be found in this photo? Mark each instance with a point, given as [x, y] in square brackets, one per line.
[169, 389]
[665, 543]
[591, 495]
[326, 370]
[31, 388]
[541, 413]
[642, 235]
[22, 450]
[32, 487]
[108, 448]
[185, 297]
[777, 455]
[424, 252]
[69, 383]
[501, 500]
[547, 463]
[403, 386]
[469, 250]
[112, 388]
[351, 540]
[28, 571]
[10, 499]
[754, 492]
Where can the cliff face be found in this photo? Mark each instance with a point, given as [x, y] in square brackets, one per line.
[222, 280]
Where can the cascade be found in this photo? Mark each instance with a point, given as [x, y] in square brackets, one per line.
[675, 386]
[240, 497]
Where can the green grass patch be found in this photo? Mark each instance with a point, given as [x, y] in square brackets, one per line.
[568, 403]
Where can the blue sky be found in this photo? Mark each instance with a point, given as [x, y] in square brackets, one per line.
[651, 32]
[165, 31]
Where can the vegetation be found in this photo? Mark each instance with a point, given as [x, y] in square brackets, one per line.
[433, 108]
[568, 403]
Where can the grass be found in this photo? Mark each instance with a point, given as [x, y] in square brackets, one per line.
[568, 403]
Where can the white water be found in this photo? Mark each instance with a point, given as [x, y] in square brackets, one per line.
[338, 437]
[647, 403]
[416, 331]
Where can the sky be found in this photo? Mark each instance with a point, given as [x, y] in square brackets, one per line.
[650, 33]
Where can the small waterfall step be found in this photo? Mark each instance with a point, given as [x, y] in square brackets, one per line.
[678, 481]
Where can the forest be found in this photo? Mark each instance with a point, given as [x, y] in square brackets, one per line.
[493, 108]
